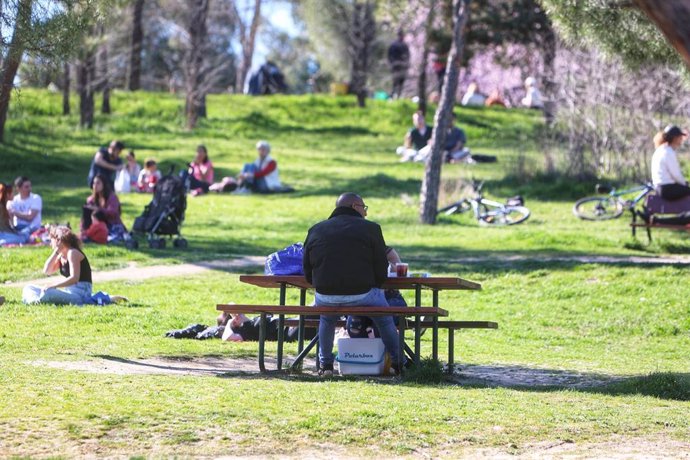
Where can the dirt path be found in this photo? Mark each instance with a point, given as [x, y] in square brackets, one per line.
[500, 376]
[133, 271]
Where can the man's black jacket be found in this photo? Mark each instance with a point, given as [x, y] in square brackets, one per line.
[345, 254]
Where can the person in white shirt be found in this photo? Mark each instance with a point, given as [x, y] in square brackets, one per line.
[532, 97]
[25, 208]
[667, 177]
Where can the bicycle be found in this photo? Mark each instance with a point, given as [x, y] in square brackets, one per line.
[489, 212]
[612, 205]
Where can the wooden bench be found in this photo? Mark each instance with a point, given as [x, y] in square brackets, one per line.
[451, 326]
[655, 205]
[283, 310]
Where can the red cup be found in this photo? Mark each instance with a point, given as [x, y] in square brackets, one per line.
[401, 270]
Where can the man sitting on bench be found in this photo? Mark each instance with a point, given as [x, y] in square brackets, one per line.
[345, 260]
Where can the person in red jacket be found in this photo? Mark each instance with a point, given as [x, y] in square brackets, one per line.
[97, 231]
[262, 175]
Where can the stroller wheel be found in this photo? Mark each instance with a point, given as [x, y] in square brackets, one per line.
[180, 243]
[157, 243]
[132, 244]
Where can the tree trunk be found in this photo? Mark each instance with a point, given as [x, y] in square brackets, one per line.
[195, 105]
[549, 80]
[248, 41]
[85, 84]
[13, 59]
[672, 18]
[421, 82]
[443, 119]
[361, 35]
[103, 78]
[134, 80]
[65, 89]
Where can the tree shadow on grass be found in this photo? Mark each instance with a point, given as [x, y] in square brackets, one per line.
[663, 385]
[374, 186]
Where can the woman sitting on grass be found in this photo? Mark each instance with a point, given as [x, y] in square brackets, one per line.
[70, 261]
[200, 172]
[103, 199]
[7, 234]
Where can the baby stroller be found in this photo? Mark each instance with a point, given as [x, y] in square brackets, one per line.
[164, 215]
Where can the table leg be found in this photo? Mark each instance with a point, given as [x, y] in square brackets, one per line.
[281, 338]
[417, 295]
[451, 349]
[417, 339]
[262, 341]
[283, 289]
[434, 350]
[300, 328]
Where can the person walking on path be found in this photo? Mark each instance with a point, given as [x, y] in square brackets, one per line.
[345, 260]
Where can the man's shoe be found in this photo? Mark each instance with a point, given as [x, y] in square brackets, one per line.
[326, 370]
[396, 369]
[2, 300]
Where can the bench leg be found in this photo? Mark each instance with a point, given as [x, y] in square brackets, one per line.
[281, 338]
[451, 349]
[402, 323]
[262, 342]
[417, 339]
[434, 340]
[649, 234]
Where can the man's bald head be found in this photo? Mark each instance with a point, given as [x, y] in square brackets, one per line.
[348, 199]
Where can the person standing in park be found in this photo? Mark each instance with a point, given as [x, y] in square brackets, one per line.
[25, 208]
[107, 162]
[345, 260]
[399, 61]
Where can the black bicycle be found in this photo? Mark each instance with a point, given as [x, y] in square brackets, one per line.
[489, 212]
[613, 204]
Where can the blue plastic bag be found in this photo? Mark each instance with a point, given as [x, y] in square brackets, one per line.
[287, 261]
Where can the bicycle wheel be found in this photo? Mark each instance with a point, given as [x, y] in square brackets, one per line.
[458, 206]
[598, 208]
[505, 215]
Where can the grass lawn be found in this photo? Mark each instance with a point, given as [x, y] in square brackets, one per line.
[624, 325]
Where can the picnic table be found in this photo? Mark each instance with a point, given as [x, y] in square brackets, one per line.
[417, 284]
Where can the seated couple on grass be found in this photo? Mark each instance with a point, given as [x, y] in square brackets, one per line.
[20, 215]
[261, 176]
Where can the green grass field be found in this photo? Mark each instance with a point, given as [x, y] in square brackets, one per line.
[624, 325]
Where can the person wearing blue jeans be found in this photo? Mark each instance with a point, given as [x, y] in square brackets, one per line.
[384, 324]
[345, 260]
[68, 259]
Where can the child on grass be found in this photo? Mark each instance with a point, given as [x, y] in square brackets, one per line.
[149, 176]
[97, 231]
